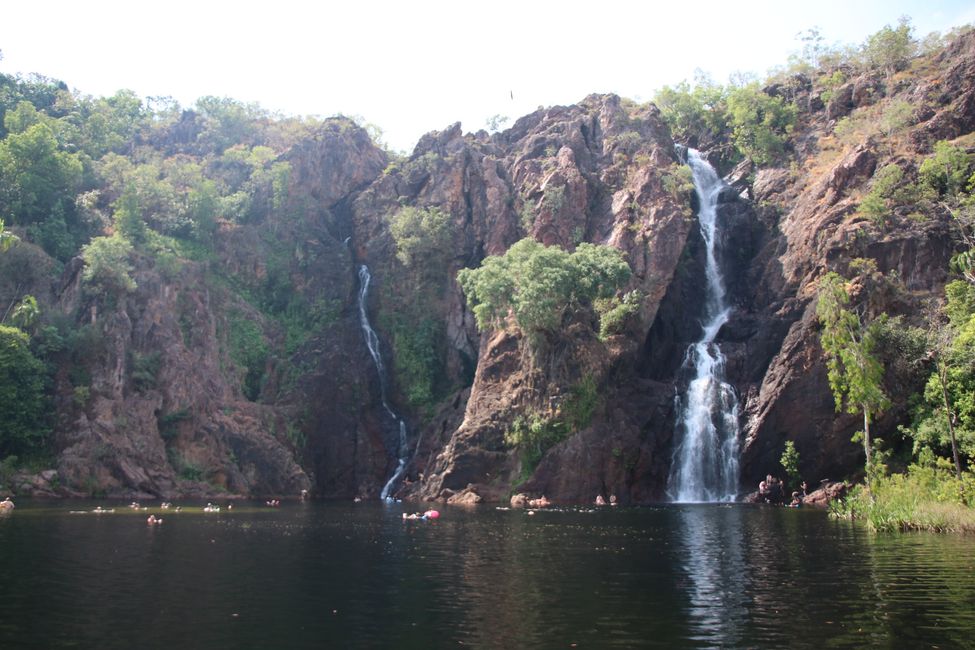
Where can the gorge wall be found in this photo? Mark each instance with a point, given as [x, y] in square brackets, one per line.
[604, 171]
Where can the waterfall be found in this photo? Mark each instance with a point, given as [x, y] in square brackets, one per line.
[372, 342]
[705, 464]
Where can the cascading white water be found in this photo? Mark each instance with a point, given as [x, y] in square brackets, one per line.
[705, 465]
[372, 342]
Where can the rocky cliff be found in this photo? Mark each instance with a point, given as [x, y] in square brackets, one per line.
[191, 386]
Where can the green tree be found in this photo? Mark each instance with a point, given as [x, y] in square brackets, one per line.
[947, 171]
[878, 202]
[25, 314]
[790, 464]
[890, 49]
[107, 266]
[694, 113]
[538, 285]
[35, 177]
[128, 216]
[855, 375]
[22, 401]
[946, 415]
[760, 123]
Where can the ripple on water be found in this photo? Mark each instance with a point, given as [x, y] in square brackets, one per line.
[304, 575]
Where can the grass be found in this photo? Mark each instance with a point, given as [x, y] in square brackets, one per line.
[927, 497]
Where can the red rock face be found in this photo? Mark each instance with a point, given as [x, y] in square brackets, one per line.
[600, 171]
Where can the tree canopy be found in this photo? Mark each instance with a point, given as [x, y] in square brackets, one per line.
[536, 285]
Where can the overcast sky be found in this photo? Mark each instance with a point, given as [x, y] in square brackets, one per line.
[413, 67]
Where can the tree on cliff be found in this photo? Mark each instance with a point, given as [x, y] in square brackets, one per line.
[22, 400]
[537, 286]
[855, 374]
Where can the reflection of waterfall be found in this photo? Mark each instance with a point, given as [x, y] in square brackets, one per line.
[372, 342]
[705, 465]
[714, 561]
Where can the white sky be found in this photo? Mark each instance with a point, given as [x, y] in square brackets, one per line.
[413, 67]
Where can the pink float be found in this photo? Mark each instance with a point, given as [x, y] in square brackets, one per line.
[431, 514]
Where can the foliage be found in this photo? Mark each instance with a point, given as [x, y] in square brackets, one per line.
[422, 235]
[890, 49]
[694, 113]
[877, 203]
[538, 285]
[615, 312]
[855, 375]
[760, 123]
[944, 416]
[554, 197]
[897, 116]
[23, 427]
[416, 336]
[790, 464]
[947, 171]
[7, 238]
[25, 314]
[36, 175]
[249, 350]
[928, 497]
[145, 370]
[678, 181]
[534, 435]
[128, 217]
[577, 410]
[107, 266]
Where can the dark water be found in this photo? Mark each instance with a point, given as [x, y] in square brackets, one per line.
[341, 576]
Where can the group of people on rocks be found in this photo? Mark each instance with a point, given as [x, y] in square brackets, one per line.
[772, 490]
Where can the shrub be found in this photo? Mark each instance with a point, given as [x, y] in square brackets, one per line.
[947, 171]
[249, 350]
[107, 266]
[422, 235]
[790, 464]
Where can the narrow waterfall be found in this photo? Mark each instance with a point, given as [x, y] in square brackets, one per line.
[705, 464]
[372, 342]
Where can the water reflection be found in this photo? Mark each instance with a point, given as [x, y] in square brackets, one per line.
[713, 560]
[316, 575]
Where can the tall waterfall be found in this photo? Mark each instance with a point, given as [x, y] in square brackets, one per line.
[372, 342]
[705, 465]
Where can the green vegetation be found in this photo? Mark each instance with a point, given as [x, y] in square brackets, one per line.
[107, 266]
[948, 171]
[422, 235]
[855, 374]
[760, 123]
[944, 418]
[790, 464]
[615, 312]
[757, 123]
[23, 426]
[538, 286]
[678, 181]
[535, 433]
[249, 351]
[929, 496]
